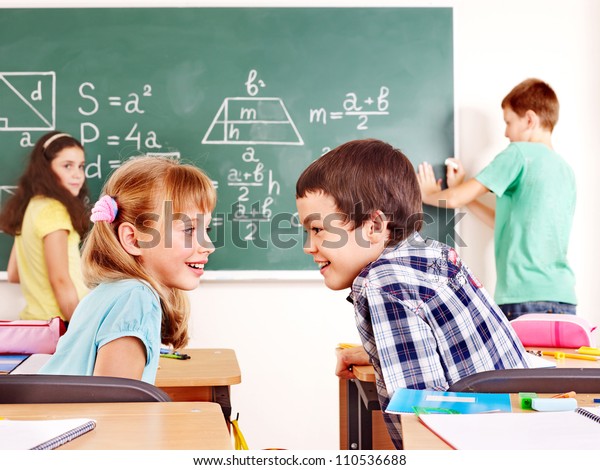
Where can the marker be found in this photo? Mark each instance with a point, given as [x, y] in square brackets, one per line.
[451, 164]
[175, 356]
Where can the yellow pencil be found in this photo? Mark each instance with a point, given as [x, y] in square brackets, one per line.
[347, 345]
[563, 355]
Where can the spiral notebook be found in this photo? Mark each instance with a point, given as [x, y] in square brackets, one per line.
[553, 430]
[41, 434]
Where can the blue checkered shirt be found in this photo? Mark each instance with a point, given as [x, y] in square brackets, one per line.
[426, 322]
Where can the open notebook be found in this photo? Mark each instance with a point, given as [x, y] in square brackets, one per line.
[41, 434]
[556, 430]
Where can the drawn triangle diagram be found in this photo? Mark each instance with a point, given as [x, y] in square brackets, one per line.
[28, 101]
[252, 121]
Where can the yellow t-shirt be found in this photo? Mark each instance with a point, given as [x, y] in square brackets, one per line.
[42, 217]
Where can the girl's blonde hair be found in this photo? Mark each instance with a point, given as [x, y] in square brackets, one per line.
[139, 187]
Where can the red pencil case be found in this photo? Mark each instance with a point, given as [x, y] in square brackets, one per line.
[553, 330]
[30, 336]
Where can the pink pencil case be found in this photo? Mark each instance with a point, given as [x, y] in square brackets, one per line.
[30, 336]
[553, 330]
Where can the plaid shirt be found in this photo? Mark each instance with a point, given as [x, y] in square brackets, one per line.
[426, 322]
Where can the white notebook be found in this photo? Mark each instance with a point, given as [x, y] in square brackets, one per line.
[41, 434]
[32, 364]
[553, 430]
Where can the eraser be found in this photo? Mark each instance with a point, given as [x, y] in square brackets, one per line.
[553, 404]
[451, 163]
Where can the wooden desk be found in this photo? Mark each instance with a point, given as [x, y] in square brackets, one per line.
[137, 426]
[416, 436]
[361, 420]
[205, 377]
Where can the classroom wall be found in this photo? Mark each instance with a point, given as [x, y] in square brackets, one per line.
[284, 332]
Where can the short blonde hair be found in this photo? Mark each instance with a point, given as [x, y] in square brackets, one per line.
[139, 186]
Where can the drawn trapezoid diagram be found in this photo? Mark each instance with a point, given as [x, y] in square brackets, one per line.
[251, 121]
[27, 101]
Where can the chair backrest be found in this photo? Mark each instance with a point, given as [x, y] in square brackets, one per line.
[543, 380]
[40, 388]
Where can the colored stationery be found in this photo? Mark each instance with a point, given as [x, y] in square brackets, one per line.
[41, 434]
[8, 362]
[407, 400]
[558, 430]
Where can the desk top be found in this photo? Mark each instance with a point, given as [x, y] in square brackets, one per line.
[366, 373]
[133, 426]
[416, 436]
[207, 367]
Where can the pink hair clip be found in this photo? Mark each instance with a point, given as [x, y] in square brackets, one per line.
[105, 210]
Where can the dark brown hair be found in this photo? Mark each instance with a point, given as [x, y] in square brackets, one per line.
[535, 95]
[363, 176]
[39, 179]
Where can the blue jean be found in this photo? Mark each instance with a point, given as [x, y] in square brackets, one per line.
[513, 311]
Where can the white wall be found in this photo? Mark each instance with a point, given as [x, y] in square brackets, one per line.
[284, 332]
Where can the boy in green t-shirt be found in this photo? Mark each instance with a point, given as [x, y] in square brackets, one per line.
[535, 201]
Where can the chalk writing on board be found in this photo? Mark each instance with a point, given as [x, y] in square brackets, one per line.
[253, 120]
[251, 174]
[355, 106]
[28, 101]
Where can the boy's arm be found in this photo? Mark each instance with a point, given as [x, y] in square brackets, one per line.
[485, 213]
[451, 198]
[346, 358]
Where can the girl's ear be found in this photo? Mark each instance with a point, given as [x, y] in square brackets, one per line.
[377, 231]
[128, 238]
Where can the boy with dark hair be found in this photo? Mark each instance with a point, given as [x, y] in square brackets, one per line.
[535, 201]
[424, 320]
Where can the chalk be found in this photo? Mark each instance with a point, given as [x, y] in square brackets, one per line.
[450, 163]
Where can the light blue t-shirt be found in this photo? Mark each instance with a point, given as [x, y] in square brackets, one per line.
[110, 311]
[535, 201]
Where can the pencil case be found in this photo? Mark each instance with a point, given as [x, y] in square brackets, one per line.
[30, 336]
[553, 330]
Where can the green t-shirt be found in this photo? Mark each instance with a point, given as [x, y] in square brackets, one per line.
[535, 200]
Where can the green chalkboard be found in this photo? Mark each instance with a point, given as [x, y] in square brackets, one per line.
[251, 95]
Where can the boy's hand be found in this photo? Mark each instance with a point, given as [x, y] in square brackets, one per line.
[427, 182]
[346, 358]
[454, 175]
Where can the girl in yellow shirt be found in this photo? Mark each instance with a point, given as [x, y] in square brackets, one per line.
[48, 216]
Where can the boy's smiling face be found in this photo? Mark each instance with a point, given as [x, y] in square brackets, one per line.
[340, 250]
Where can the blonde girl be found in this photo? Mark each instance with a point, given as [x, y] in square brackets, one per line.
[148, 245]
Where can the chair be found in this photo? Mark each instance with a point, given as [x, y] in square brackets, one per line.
[543, 380]
[39, 388]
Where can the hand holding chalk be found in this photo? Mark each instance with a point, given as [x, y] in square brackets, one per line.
[451, 164]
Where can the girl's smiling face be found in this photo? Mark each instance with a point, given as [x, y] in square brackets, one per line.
[175, 251]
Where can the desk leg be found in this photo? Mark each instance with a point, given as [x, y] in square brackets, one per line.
[220, 395]
[352, 417]
[365, 426]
